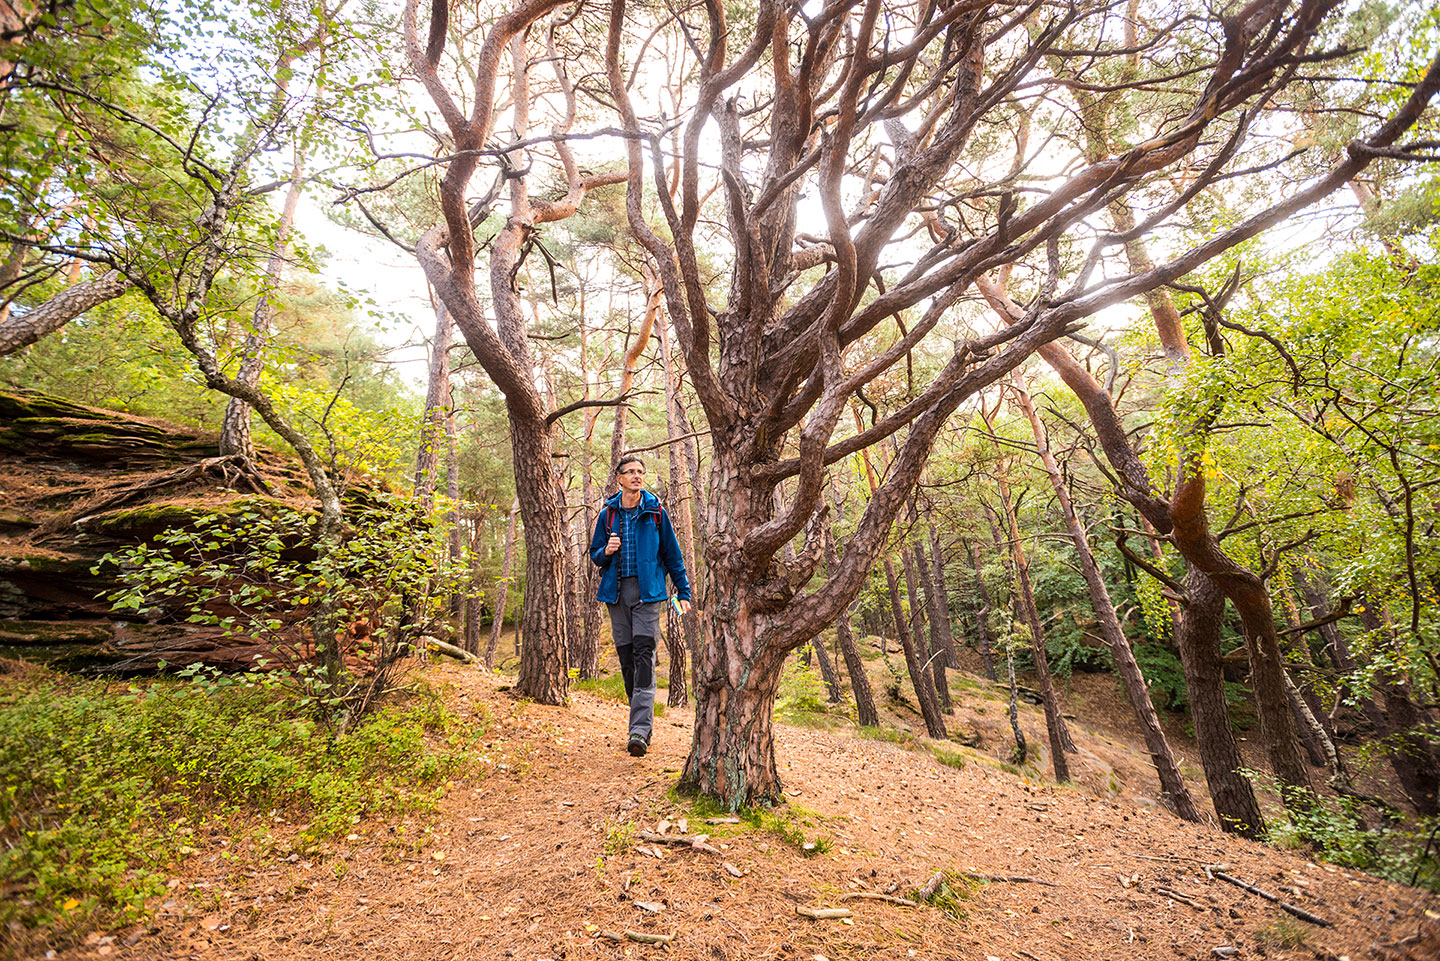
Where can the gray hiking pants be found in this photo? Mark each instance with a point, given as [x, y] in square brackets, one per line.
[635, 625]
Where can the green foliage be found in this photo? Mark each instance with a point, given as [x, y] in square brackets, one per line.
[254, 571]
[1336, 833]
[1164, 675]
[892, 735]
[107, 788]
[787, 822]
[954, 889]
[802, 692]
[949, 758]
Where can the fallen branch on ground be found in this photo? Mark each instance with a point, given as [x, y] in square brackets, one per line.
[822, 914]
[458, 653]
[1177, 896]
[681, 840]
[872, 896]
[1008, 878]
[1285, 906]
[930, 887]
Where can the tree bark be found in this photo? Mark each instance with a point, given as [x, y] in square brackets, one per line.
[1172, 783]
[472, 594]
[940, 603]
[1199, 643]
[682, 482]
[23, 329]
[866, 713]
[677, 695]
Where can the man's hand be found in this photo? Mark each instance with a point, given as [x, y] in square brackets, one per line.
[684, 606]
[612, 545]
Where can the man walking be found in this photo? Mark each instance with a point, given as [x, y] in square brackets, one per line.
[634, 546]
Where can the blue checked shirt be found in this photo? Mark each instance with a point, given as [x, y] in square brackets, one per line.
[628, 541]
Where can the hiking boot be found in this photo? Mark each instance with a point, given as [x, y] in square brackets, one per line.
[637, 746]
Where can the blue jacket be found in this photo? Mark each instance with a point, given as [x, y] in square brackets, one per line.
[656, 553]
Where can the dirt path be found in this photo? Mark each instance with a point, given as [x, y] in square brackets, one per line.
[516, 866]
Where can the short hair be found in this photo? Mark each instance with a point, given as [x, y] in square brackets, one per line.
[629, 459]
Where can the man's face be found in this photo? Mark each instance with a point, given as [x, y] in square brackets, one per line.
[632, 477]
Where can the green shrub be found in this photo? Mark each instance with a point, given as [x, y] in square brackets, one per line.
[1163, 675]
[105, 787]
[1402, 852]
[802, 692]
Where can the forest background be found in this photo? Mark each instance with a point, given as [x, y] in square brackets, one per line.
[1028, 339]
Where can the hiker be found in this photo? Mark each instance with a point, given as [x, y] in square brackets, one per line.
[634, 546]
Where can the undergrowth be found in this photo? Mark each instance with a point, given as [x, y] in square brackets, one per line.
[787, 822]
[107, 786]
[954, 889]
[1405, 852]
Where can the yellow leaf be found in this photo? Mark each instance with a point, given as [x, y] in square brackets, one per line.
[70, 905]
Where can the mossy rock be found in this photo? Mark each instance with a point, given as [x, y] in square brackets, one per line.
[31, 403]
[19, 633]
[142, 523]
[33, 424]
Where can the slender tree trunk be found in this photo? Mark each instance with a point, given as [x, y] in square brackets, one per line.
[452, 517]
[1199, 644]
[433, 423]
[940, 603]
[919, 677]
[982, 615]
[681, 482]
[677, 696]
[866, 713]
[1059, 734]
[1172, 783]
[497, 624]
[235, 426]
[472, 595]
[1022, 750]
[833, 694]
[939, 618]
[919, 570]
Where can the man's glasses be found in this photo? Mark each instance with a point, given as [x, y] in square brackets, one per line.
[624, 472]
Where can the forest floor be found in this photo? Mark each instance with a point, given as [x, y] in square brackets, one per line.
[537, 855]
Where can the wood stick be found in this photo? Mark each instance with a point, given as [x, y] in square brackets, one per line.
[1286, 906]
[1009, 878]
[930, 887]
[872, 896]
[679, 840]
[1176, 895]
[451, 649]
[822, 914]
[644, 938]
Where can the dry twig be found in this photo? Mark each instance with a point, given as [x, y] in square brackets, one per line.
[1285, 906]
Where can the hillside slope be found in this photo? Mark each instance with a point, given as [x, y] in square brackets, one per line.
[539, 856]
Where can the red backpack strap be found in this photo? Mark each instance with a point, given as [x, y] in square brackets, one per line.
[609, 519]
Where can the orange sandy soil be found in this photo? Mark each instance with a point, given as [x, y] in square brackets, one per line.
[515, 866]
